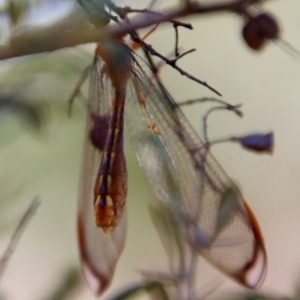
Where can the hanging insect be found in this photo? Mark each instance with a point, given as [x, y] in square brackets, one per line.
[182, 174]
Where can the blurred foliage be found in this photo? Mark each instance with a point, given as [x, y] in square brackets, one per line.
[69, 283]
[259, 296]
[37, 90]
[34, 93]
[133, 291]
[15, 237]
[15, 104]
[16, 9]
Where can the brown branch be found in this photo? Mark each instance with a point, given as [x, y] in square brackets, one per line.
[64, 35]
[176, 23]
[124, 11]
[236, 6]
[72, 31]
[176, 40]
[182, 55]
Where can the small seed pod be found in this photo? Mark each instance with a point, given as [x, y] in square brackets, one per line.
[259, 29]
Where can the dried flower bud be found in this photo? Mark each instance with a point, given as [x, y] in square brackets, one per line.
[257, 142]
[257, 30]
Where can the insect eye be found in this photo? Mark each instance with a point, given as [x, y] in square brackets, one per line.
[95, 12]
[258, 29]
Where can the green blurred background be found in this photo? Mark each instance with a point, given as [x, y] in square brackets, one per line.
[47, 163]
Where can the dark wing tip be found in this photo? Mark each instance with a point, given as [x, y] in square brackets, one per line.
[95, 281]
[255, 275]
[254, 272]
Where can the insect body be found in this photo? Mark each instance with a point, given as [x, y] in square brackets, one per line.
[104, 170]
[111, 184]
[184, 178]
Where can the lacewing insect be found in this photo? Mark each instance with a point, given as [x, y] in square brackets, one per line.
[171, 155]
[103, 187]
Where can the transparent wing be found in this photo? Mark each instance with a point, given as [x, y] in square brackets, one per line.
[99, 252]
[171, 155]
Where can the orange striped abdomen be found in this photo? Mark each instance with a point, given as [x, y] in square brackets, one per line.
[111, 184]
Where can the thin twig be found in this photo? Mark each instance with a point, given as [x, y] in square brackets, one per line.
[176, 40]
[218, 141]
[210, 287]
[17, 234]
[163, 277]
[206, 145]
[123, 11]
[227, 105]
[290, 49]
[235, 109]
[77, 90]
[176, 23]
[170, 62]
[182, 55]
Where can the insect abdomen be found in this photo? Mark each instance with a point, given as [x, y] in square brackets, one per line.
[111, 183]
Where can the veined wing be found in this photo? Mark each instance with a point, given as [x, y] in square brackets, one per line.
[99, 252]
[171, 155]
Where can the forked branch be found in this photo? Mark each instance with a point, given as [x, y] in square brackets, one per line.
[68, 34]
